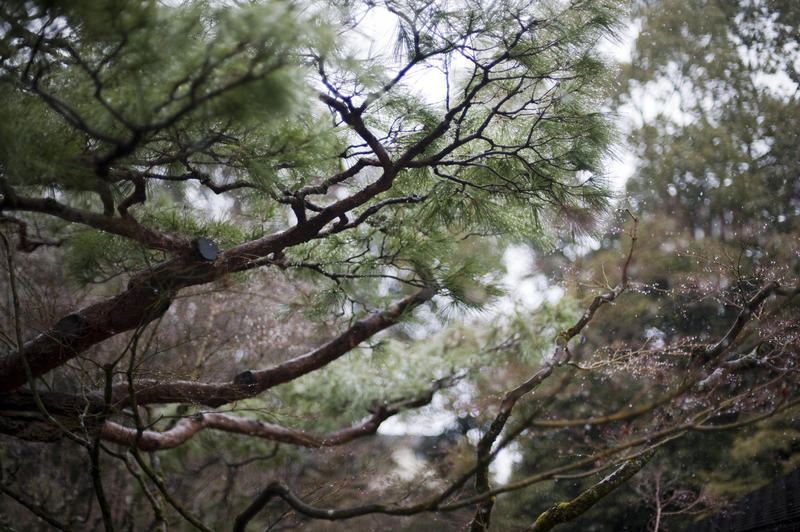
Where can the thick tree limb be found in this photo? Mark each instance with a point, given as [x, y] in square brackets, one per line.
[185, 429]
[150, 441]
[80, 330]
[150, 292]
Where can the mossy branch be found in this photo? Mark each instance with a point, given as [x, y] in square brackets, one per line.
[566, 511]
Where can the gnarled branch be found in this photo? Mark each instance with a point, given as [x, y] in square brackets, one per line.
[186, 428]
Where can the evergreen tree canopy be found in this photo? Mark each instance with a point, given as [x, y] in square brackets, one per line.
[330, 155]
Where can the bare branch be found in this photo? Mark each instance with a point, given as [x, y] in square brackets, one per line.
[126, 226]
[562, 354]
[480, 521]
[252, 383]
[33, 507]
[26, 242]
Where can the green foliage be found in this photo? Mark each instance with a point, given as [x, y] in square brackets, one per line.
[229, 98]
[36, 153]
[184, 218]
[765, 444]
[94, 256]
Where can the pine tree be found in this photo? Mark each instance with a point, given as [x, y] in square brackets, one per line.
[234, 231]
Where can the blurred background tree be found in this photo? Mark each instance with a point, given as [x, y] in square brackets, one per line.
[711, 93]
